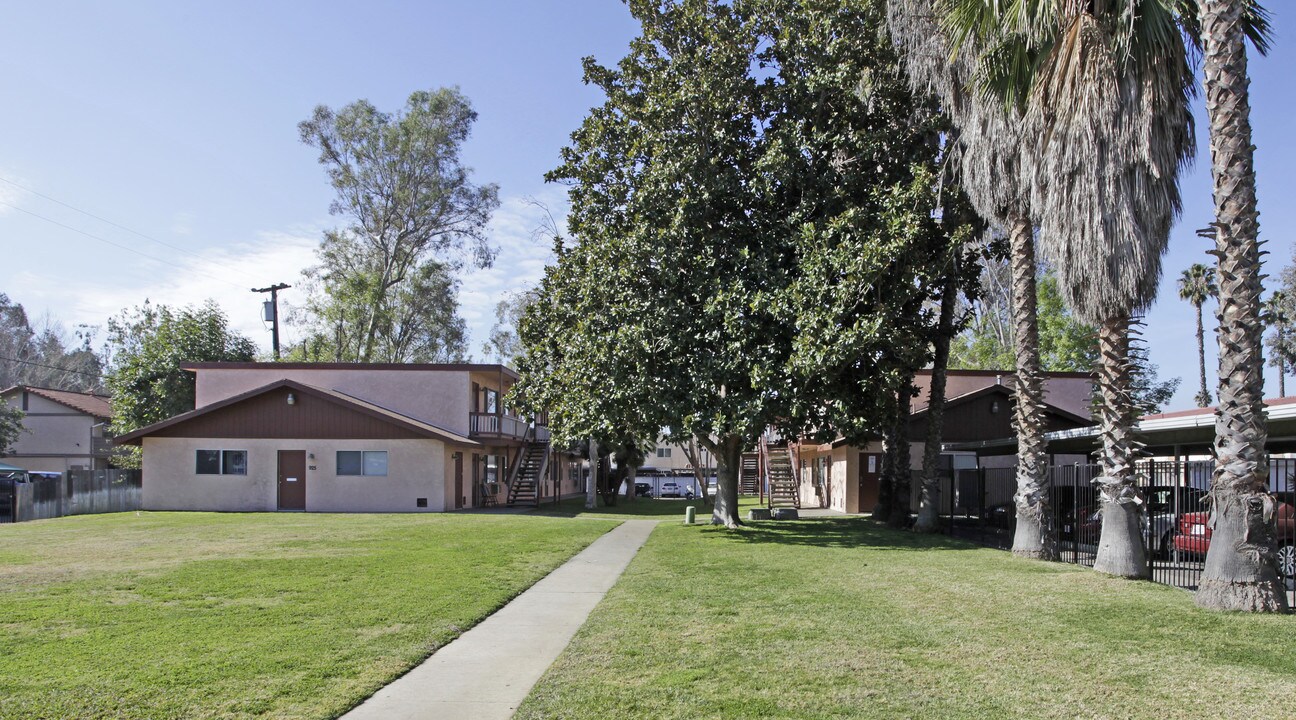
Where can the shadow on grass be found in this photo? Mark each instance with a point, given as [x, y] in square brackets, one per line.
[844, 532]
[641, 507]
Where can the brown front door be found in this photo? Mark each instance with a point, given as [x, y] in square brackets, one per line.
[458, 475]
[292, 479]
[869, 472]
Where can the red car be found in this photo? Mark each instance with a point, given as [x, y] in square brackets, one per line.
[1195, 533]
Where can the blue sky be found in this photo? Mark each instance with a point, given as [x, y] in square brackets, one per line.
[177, 121]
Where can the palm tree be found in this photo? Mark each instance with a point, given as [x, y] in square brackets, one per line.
[1277, 314]
[1241, 571]
[1195, 285]
[1105, 87]
[995, 167]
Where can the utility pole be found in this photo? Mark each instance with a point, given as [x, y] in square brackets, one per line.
[272, 310]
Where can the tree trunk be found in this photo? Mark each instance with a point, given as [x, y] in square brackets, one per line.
[1203, 396]
[591, 488]
[1282, 360]
[901, 489]
[886, 478]
[1241, 571]
[929, 498]
[631, 474]
[1034, 537]
[1121, 548]
[728, 456]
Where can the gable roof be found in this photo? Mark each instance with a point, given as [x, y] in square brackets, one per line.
[334, 397]
[1007, 392]
[99, 406]
[445, 367]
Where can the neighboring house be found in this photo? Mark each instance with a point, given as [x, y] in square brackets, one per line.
[978, 408]
[343, 437]
[65, 430]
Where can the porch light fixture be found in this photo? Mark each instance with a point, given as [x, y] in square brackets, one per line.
[994, 405]
[292, 399]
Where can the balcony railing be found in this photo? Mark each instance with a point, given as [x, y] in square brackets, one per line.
[493, 425]
[100, 446]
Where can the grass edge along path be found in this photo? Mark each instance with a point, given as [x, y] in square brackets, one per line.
[843, 618]
[205, 615]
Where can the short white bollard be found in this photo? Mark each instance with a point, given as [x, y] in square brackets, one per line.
[690, 514]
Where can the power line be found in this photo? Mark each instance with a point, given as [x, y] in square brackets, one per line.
[52, 367]
[119, 226]
[127, 248]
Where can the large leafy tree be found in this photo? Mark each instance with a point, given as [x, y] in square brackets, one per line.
[385, 288]
[11, 427]
[1196, 285]
[147, 347]
[43, 354]
[744, 208]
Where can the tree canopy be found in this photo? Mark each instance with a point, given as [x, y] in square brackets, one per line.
[44, 355]
[753, 208]
[147, 347]
[385, 288]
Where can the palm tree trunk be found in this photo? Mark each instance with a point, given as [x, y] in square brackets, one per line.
[1203, 397]
[901, 488]
[1282, 360]
[1121, 548]
[1241, 571]
[929, 499]
[1034, 535]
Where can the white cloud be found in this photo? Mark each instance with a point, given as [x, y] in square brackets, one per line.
[521, 262]
[225, 274]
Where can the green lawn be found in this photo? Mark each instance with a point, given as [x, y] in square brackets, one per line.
[199, 615]
[639, 508]
[840, 618]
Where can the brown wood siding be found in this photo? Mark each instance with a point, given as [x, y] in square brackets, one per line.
[270, 416]
[972, 421]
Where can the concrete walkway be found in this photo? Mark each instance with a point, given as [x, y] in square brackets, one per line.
[488, 671]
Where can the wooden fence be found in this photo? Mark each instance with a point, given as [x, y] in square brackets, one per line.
[78, 492]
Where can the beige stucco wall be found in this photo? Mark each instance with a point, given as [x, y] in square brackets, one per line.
[439, 397]
[57, 437]
[415, 469]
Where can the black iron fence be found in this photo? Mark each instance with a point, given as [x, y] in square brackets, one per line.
[977, 505]
[77, 492]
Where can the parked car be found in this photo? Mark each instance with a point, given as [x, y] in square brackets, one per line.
[712, 486]
[1159, 532]
[643, 489]
[1195, 533]
[670, 488]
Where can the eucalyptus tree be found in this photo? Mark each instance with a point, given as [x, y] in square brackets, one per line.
[1196, 285]
[995, 164]
[1278, 314]
[385, 286]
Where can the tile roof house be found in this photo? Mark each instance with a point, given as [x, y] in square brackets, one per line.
[65, 430]
[344, 437]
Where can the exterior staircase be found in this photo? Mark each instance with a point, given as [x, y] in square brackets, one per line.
[528, 472]
[749, 474]
[783, 486]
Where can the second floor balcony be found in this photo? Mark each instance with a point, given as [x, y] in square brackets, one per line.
[497, 426]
